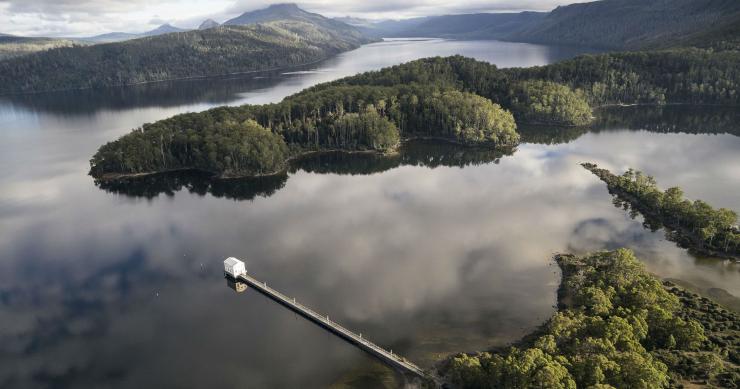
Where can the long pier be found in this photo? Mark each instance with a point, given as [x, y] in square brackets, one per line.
[388, 357]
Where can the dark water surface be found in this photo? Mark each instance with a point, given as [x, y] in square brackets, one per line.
[434, 251]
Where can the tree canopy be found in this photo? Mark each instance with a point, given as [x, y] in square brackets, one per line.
[619, 327]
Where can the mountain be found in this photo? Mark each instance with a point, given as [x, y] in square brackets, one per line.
[216, 51]
[124, 36]
[208, 23]
[723, 36]
[382, 28]
[607, 24]
[163, 29]
[463, 26]
[466, 26]
[111, 37]
[287, 11]
[291, 12]
[355, 22]
[630, 24]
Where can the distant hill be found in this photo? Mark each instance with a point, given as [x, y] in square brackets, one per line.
[208, 23]
[607, 24]
[215, 51]
[386, 28]
[164, 29]
[289, 11]
[723, 36]
[12, 46]
[123, 36]
[630, 24]
[468, 26]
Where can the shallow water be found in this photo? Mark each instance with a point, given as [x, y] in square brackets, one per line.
[435, 251]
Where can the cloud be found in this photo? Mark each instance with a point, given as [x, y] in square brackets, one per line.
[90, 17]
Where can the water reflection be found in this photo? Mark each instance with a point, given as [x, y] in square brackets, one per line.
[671, 119]
[107, 289]
[425, 153]
[432, 154]
[199, 183]
[659, 119]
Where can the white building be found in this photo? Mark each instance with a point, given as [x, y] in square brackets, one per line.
[234, 267]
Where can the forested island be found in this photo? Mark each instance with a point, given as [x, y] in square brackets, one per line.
[454, 98]
[617, 326]
[692, 224]
[260, 140]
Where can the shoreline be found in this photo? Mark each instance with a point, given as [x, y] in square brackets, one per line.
[110, 177]
[693, 305]
[176, 79]
[682, 236]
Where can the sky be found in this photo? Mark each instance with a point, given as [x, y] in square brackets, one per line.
[76, 18]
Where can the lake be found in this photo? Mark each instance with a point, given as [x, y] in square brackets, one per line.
[435, 251]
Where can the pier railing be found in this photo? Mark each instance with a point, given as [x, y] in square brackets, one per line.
[324, 321]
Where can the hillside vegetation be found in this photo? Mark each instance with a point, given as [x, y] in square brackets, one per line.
[629, 24]
[221, 50]
[606, 24]
[15, 46]
[617, 327]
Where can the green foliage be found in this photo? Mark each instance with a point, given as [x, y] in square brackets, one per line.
[375, 132]
[689, 76]
[695, 224]
[603, 339]
[548, 102]
[227, 149]
[343, 117]
[467, 118]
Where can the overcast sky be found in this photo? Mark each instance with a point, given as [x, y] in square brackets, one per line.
[90, 17]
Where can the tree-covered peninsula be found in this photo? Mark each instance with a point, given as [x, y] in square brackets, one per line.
[617, 327]
[454, 98]
[693, 224]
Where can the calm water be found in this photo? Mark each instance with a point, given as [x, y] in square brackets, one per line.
[435, 251]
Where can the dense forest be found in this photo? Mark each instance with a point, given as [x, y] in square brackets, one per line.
[454, 98]
[684, 76]
[215, 51]
[693, 224]
[617, 327]
[351, 118]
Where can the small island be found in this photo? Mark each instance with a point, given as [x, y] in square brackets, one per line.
[617, 327]
[692, 224]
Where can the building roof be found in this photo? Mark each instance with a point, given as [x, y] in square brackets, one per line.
[231, 261]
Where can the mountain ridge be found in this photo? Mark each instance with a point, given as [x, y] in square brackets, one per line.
[208, 23]
[223, 50]
[628, 24]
